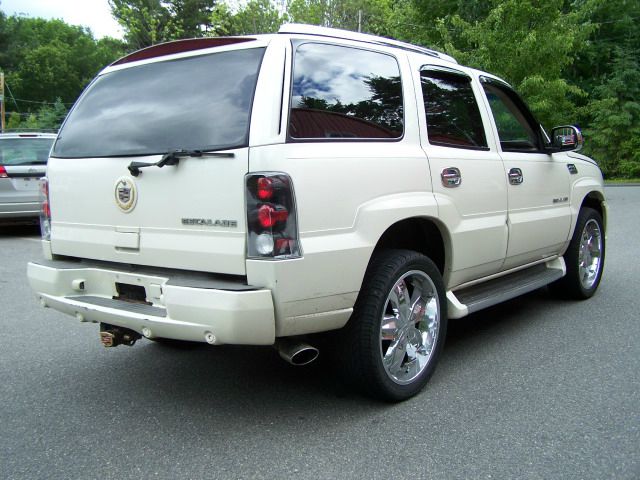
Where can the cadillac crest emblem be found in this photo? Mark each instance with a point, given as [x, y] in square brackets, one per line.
[125, 194]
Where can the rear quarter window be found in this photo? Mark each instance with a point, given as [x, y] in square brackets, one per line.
[345, 93]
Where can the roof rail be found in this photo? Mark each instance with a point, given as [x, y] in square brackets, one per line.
[360, 37]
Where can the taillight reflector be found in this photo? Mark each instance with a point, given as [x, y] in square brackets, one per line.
[264, 188]
[3, 172]
[268, 215]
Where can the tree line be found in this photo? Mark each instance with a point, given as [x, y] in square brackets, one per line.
[574, 61]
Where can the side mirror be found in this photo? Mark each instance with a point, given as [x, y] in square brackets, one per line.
[566, 138]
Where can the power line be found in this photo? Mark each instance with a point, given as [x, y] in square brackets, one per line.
[40, 102]
[11, 93]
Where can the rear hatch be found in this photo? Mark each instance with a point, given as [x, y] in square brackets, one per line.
[23, 161]
[187, 214]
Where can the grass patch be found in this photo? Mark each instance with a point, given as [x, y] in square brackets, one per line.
[618, 181]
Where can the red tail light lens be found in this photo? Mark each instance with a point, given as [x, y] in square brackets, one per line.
[264, 188]
[269, 215]
[45, 210]
[3, 172]
[272, 227]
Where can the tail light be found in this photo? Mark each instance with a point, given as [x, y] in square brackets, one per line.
[3, 172]
[45, 210]
[272, 225]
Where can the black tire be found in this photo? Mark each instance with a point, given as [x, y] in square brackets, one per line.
[581, 282]
[363, 344]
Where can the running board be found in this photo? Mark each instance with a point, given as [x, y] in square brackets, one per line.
[497, 290]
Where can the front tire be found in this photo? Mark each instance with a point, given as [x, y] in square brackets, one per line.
[396, 333]
[584, 258]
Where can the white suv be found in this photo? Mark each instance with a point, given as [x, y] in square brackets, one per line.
[424, 190]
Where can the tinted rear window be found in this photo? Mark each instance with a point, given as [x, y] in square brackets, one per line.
[196, 103]
[24, 151]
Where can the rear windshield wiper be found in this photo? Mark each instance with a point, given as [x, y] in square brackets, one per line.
[172, 158]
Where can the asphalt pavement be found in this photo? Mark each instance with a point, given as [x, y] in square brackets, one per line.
[537, 388]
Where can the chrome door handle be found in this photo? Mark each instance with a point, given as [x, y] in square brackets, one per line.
[451, 177]
[515, 176]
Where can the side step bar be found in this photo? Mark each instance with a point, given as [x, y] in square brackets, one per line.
[497, 290]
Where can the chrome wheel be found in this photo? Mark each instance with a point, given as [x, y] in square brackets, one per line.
[590, 254]
[584, 258]
[409, 327]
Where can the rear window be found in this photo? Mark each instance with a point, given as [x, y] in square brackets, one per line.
[196, 103]
[24, 151]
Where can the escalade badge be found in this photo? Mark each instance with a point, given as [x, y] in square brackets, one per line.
[208, 222]
[126, 194]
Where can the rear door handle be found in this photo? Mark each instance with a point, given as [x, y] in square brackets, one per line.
[451, 177]
[515, 176]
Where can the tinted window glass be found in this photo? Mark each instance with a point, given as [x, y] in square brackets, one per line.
[342, 92]
[514, 130]
[200, 103]
[453, 117]
[24, 151]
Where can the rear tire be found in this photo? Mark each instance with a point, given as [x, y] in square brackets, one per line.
[584, 258]
[396, 333]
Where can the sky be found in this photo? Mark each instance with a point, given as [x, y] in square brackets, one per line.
[94, 14]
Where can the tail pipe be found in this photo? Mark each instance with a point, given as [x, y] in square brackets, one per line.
[296, 352]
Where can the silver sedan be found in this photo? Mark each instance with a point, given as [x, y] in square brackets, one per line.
[23, 161]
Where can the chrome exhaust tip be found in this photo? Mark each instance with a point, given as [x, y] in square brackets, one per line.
[296, 352]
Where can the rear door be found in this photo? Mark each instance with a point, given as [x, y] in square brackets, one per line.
[187, 214]
[466, 172]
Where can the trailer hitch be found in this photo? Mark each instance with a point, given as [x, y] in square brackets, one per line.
[112, 336]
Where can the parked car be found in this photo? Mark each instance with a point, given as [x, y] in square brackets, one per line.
[23, 161]
[258, 190]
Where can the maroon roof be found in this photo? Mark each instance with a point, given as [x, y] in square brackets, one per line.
[180, 46]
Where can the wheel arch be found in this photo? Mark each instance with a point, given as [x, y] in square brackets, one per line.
[421, 234]
[596, 201]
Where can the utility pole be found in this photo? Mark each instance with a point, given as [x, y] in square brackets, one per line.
[1, 102]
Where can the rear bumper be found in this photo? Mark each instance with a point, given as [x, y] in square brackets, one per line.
[10, 212]
[181, 308]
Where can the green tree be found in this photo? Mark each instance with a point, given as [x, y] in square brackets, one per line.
[615, 27]
[4, 38]
[607, 68]
[256, 16]
[147, 22]
[370, 16]
[530, 44]
[13, 121]
[46, 60]
[613, 132]
[51, 116]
